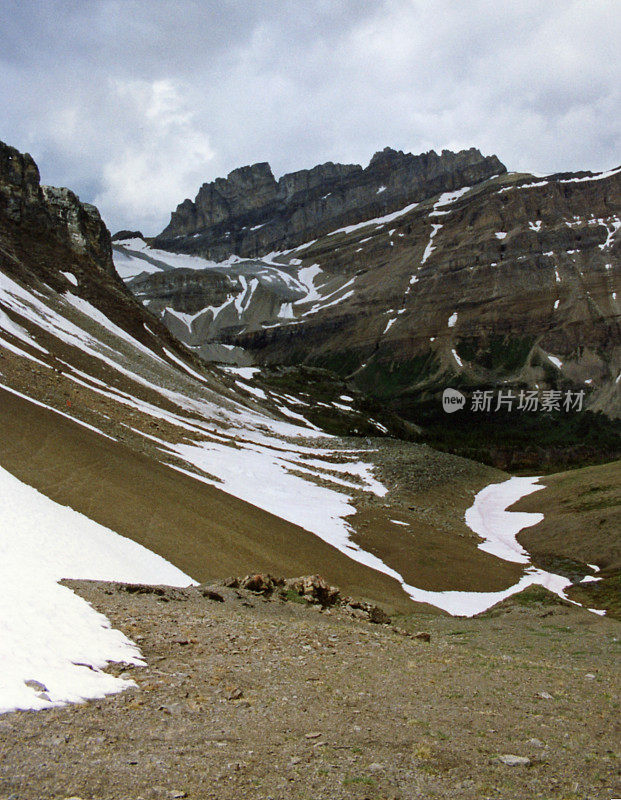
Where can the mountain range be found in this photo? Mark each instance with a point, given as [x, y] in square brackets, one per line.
[240, 457]
[414, 274]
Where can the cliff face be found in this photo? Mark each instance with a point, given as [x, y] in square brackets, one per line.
[514, 281]
[251, 213]
[50, 240]
[25, 202]
[517, 281]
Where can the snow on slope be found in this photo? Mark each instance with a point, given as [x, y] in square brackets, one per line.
[498, 527]
[48, 634]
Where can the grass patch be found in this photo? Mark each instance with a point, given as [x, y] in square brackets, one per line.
[603, 594]
[531, 597]
[292, 596]
[361, 779]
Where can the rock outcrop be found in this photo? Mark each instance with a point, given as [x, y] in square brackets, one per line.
[250, 213]
[59, 211]
[50, 238]
[517, 279]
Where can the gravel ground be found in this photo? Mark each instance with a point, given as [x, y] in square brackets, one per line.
[262, 698]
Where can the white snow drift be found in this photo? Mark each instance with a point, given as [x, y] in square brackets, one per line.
[50, 637]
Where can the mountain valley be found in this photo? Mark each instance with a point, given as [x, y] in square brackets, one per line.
[191, 417]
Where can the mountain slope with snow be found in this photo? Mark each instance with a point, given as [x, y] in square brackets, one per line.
[210, 468]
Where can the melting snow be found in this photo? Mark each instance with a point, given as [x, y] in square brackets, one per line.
[430, 246]
[47, 633]
[254, 390]
[70, 277]
[377, 221]
[597, 177]
[448, 198]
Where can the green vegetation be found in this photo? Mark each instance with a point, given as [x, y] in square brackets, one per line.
[503, 354]
[604, 594]
[530, 597]
[517, 441]
[360, 779]
[385, 379]
[293, 596]
[514, 441]
[319, 388]
[342, 363]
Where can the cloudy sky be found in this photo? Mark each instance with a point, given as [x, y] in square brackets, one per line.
[135, 103]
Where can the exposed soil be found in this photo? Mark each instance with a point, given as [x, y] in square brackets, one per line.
[262, 698]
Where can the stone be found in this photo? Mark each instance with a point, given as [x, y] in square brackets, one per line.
[211, 595]
[378, 616]
[125, 234]
[514, 761]
[36, 685]
[260, 584]
[314, 589]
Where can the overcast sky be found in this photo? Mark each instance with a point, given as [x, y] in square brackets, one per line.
[134, 103]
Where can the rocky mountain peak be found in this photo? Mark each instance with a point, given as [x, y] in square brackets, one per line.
[249, 213]
[57, 211]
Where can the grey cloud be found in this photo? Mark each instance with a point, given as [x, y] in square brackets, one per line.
[135, 103]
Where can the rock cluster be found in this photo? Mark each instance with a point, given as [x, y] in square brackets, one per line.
[313, 589]
[250, 213]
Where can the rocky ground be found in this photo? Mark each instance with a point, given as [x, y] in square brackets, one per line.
[270, 697]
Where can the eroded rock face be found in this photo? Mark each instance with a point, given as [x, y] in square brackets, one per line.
[59, 211]
[49, 238]
[518, 280]
[82, 224]
[21, 198]
[250, 213]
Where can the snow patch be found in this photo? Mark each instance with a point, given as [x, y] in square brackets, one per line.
[47, 633]
[70, 277]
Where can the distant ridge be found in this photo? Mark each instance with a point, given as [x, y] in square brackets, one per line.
[250, 213]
